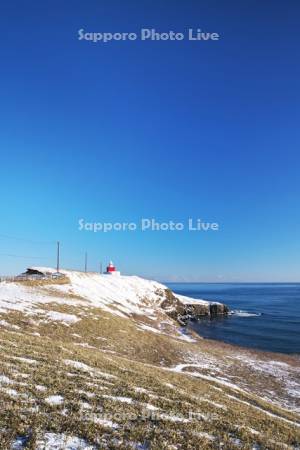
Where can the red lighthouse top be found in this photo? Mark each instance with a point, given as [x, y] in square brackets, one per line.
[110, 268]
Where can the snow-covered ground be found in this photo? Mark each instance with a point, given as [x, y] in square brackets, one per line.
[189, 301]
[119, 295]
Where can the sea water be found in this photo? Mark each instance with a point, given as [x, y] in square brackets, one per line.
[263, 316]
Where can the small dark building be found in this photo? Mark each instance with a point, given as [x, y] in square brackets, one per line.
[31, 274]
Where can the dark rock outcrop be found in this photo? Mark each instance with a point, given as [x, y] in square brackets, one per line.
[183, 312]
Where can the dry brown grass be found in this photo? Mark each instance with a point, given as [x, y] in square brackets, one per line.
[43, 282]
[127, 362]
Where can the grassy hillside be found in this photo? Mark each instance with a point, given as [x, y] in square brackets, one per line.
[107, 381]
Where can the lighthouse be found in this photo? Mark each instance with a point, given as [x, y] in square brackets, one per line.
[111, 269]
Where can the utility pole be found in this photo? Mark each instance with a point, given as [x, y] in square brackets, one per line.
[57, 257]
[85, 263]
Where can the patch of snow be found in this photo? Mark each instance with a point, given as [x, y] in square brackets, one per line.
[201, 416]
[97, 385]
[10, 392]
[206, 364]
[18, 297]
[85, 405]
[40, 388]
[217, 388]
[190, 301]
[211, 402]
[79, 365]
[173, 418]
[287, 375]
[4, 323]
[207, 436]
[276, 368]
[54, 441]
[105, 422]
[62, 317]
[23, 359]
[23, 375]
[150, 407]
[85, 368]
[144, 327]
[179, 369]
[54, 400]
[85, 345]
[160, 397]
[4, 379]
[86, 393]
[235, 441]
[183, 336]
[142, 390]
[292, 388]
[253, 431]
[119, 399]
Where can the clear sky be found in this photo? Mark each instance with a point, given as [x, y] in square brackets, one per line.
[168, 130]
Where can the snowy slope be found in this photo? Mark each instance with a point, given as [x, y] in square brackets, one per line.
[127, 294]
[121, 295]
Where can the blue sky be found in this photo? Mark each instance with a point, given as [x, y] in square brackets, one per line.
[170, 130]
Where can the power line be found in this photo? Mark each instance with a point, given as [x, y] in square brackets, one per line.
[4, 236]
[26, 257]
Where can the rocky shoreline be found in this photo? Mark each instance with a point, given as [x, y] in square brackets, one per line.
[183, 309]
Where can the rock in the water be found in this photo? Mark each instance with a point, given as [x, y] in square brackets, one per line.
[183, 311]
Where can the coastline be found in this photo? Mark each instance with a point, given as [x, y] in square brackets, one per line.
[263, 316]
[238, 346]
[286, 357]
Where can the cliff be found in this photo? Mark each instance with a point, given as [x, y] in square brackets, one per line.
[183, 309]
[120, 295]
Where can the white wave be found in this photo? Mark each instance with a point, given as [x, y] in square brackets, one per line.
[241, 313]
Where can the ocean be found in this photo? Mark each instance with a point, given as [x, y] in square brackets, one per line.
[264, 316]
